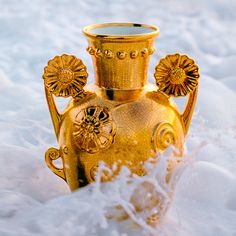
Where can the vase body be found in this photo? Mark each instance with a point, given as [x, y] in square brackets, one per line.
[120, 120]
[128, 134]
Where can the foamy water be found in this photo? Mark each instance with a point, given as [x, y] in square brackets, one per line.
[33, 201]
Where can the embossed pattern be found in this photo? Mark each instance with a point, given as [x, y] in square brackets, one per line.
[176, 75]
[163, 136]
[94, 129]
[51, 155]
[65, 76]
[109, 54]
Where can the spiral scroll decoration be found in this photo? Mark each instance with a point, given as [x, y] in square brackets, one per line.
[163, 136]
[51, 155]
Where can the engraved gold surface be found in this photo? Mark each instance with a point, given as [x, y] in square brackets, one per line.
[65, 76]
[176, 75]
[94, 129]
[122, 61]
[121, 119]
[163, 136]
[51, 155]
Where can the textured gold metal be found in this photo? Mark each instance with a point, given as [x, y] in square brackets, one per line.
[51, 155]
[94, 129]
[127, 64]
[65, 76]
[109, 54]
[176, 75]
[163, 136]
[122, 119]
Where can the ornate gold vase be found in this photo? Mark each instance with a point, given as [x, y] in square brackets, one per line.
[121, 119]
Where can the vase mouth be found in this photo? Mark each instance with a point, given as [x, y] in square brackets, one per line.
[121, 31]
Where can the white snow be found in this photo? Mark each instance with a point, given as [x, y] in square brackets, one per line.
[33, 201]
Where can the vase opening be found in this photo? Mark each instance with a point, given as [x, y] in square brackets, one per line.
[120, 30]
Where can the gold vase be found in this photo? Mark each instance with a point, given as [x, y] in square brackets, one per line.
[122, 119]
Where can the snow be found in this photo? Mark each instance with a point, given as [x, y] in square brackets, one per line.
[33, 201]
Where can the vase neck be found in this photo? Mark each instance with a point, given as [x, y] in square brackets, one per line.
[121, 61]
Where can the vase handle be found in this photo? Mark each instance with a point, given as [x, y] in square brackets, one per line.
[55, 115]
[189, 108]
[51, 155]
[64, 76]
[177, 75]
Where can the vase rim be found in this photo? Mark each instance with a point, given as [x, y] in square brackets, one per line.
[133, 31]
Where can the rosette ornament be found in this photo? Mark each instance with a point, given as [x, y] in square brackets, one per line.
[65, 76]
[176, 75]
[94, 129]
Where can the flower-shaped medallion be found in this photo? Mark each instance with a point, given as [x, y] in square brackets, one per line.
[176, 75]
[65, 76]
[94, 129]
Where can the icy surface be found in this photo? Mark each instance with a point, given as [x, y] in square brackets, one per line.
[35, 202]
